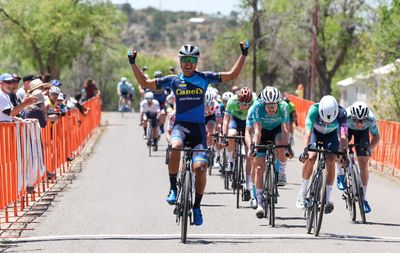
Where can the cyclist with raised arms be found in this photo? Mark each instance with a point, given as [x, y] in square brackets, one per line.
[189, 88]
[361, 122]
[234, 122]
[270, 117]
[325, 122]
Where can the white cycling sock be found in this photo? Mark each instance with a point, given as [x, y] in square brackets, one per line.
[339, 169]
[304, 186]
[328, 193]
[248, 181]
[282, 168]
[365, 191]
[260, 196]
[230, 156]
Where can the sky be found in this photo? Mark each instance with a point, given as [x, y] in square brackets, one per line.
[206, 6]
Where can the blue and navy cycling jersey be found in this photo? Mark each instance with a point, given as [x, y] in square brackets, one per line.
[189, 93]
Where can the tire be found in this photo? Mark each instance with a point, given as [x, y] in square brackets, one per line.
[310, 210]
[360, 194]
[350, 200]
[148, 135]
[239, 189]
[186, 206]
[267, 209]
[272, 196]
[320, 204]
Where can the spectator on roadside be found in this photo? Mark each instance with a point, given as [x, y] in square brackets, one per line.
[56, 83]
[60, 105]
[38, 84]
[21, 92]
[90, 89]
[36, 110]
[7, 110]
[13, 95]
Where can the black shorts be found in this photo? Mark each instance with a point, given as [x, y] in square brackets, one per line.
[268, 136]
[238, 124]
[152, 117]
[211, 118]
[360, 137]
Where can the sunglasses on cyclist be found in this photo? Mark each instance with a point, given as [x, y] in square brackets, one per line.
[271, 105]
[192, 60]
[243, 103]
[360, 121]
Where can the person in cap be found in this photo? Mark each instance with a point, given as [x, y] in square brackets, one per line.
[38, 84]
[36, 110]
[13, 95]
[7, 110]
[21, 92]
[56, 83]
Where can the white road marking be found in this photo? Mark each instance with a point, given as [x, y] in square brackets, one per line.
[199, 236]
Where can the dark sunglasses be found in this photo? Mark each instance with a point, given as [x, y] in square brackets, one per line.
[192, 60]
[271, 105]
[361, 121]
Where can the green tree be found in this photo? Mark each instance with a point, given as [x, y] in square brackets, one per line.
[49, 36]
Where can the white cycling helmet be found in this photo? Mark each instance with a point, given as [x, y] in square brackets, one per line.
[54, 90]
[270, 95]
[328, 108]
[189, 50]
[149, 95]
[227, 95]
[124, 79]
[210, 95]
[359, 110]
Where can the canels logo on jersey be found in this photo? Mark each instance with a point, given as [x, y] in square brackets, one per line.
[181, 92]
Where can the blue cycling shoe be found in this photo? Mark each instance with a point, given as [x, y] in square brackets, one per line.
[367, 208]
[341, 183]
[197, 217]
[171, 199]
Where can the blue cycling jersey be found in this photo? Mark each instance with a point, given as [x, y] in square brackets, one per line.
[124, 87]
[189, 93]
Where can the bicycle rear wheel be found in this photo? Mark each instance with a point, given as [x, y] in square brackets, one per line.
[320, 202]
[186, 205]
[349, 195]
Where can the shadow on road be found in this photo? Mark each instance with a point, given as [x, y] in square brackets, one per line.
[381, 224]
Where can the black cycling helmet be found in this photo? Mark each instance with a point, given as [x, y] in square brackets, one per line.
[189, 50]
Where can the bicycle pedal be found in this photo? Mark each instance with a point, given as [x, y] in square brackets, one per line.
[344, 197]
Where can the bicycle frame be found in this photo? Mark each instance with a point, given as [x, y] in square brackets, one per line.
[184, 203]
[270, 180]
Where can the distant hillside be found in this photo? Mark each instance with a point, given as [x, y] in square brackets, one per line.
[151, 30]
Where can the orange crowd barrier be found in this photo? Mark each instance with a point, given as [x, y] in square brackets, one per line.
[27, 151]
[386, 154]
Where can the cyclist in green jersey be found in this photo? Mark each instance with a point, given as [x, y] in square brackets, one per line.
[235, 122]
[293, 118]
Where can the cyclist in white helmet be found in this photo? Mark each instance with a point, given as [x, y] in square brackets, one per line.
[270, 119]
[327, 122]
[361, 122]
[150, 109]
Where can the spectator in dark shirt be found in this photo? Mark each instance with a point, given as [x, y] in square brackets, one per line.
[13, 93]
[36, 111]
[90, 89]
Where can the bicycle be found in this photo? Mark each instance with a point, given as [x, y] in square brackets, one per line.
[125, 107]
[271, 193]
[316, 193]
[184, 200]
[223, 163]
[149, 135]
[238, 171]
[354, 192]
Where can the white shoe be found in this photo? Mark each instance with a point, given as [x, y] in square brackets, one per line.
[253, 203]
[260, 212]
[300, 201]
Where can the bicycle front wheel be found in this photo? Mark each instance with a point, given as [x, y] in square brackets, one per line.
[320, 202]
[148, 136]
[272, 195]
[186, 206]
[349, 195]
[359, 194]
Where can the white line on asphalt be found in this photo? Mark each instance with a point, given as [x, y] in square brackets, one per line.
[199, 236]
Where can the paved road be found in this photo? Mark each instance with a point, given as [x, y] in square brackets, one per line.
[117, 204]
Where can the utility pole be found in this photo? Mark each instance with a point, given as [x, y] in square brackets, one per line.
[256, 35]
[313, 83]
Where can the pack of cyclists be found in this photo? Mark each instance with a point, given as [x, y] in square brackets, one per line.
[195, 111]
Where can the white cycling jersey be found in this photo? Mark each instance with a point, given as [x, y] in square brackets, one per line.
[212, 109]
[146, 108]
